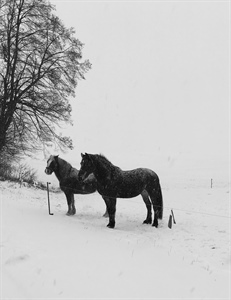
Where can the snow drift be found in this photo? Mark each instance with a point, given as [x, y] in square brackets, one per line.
[61, 257]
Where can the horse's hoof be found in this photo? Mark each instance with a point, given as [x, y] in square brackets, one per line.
[147, 222]
[69, 214]
[155, 224]
[105, 215]
[111, 225]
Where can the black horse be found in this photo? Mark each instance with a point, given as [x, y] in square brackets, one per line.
[69, 182]
[112, 183]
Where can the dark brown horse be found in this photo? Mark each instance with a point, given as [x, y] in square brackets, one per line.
[69, 181]
[113, 183]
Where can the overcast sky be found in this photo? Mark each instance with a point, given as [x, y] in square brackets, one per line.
[159, 83]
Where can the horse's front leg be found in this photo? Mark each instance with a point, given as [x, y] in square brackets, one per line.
[71, 204]
[111, 208]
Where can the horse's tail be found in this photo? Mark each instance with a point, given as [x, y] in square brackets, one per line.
[159, 202]
[155, 193]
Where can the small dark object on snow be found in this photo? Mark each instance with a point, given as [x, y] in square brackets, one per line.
[170, 222]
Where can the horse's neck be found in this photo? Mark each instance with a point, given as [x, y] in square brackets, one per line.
[58, 175]
[105, 172]
[63, 170]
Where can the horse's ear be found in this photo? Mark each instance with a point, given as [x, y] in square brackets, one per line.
[56, 156]
[82, 155]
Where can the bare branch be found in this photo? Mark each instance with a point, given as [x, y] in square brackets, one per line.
[40, 67]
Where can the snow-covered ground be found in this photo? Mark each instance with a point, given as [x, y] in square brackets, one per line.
[78, 257]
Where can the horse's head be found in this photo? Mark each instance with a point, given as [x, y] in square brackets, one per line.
[52, 164]
[87, 166]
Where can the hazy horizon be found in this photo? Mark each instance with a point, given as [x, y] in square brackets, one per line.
[158, 91]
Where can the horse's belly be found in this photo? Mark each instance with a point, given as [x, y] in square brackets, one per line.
[119, 193]
[74, 186]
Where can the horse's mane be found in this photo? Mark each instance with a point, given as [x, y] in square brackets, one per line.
[64, 161]
[104, 160]
[107, 164]
[65, 166]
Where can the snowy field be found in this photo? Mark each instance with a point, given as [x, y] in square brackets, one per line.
[78, 257]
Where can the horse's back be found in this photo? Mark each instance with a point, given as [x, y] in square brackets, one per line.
[140, 174]
[128, 184]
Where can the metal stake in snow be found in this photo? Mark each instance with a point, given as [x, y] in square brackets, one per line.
[48, 197]
[173, 217]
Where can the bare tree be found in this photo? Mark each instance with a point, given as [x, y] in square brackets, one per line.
[40, 65]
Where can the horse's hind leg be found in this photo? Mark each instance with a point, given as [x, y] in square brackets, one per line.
[73, 209]
[106, 215]
[154, 196]
[111, 208]
[148, 204]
